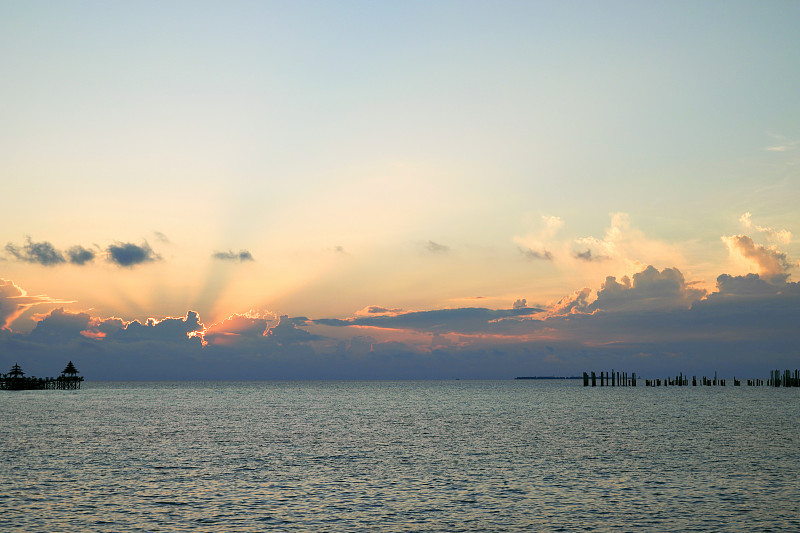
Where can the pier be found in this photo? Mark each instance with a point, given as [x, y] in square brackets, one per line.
[16, 380]
[777, 378]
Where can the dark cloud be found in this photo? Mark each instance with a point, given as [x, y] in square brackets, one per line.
[531, 254]
[167, 330]
[588, 257]
[287, 331]
[521, 303]
[648, 289]
[462, 320]
[60, 326]
[436, 248]
[160, 237]
[42, 253]
[653, 323]
[751, 285]
[751, 307]
[108, 325]
[378, 310]
[78, 255]
[230, 255]
[126, 254]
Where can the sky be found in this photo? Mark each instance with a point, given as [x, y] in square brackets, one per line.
[311, 190]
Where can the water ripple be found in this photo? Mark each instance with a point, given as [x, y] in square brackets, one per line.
[398, 456]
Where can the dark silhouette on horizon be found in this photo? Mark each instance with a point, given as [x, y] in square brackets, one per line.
[16, 380]
[787, 378]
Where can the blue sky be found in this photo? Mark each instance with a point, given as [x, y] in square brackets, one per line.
[318, 160]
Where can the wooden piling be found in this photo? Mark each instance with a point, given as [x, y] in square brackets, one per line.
[777, 378]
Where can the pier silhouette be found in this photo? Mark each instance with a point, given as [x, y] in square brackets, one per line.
[16, 380]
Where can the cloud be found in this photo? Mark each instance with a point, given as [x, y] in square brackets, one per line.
[288, 332]
[536, 247]
[122, 254]
[622, 248]
[783, 144]
[750, 308]
[242, 256]
[769, 261]
[552, 224]
[746, 326]
[746, 286]
[466, 320]
[577, 302]
[42, 253]
[60, 326]
[618, 243]
[377, 310]
[14, 301]
[237, 328]
[606, 248]
[127, 254]
[101, 327]
[648, 289]
[78, 255]
[532, 254]
[169, 329]
[436, 248]
[782, 236]
[160, 237]
[779, 148]
[588, 257]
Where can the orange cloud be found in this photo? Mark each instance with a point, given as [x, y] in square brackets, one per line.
[769, 262]
[14, 301]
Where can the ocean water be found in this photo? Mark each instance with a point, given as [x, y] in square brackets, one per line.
[399, 456]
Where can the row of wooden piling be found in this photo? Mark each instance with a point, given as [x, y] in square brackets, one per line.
[612, 379]
[777, 378]
[785, 379]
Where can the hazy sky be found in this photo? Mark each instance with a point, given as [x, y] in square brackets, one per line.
[403, 175]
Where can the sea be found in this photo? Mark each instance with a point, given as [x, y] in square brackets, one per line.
[515, 455]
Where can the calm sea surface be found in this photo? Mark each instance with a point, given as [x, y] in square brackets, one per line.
[399, 456]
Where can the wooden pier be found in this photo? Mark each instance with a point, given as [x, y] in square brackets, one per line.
[16, 380]
[777, 378]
